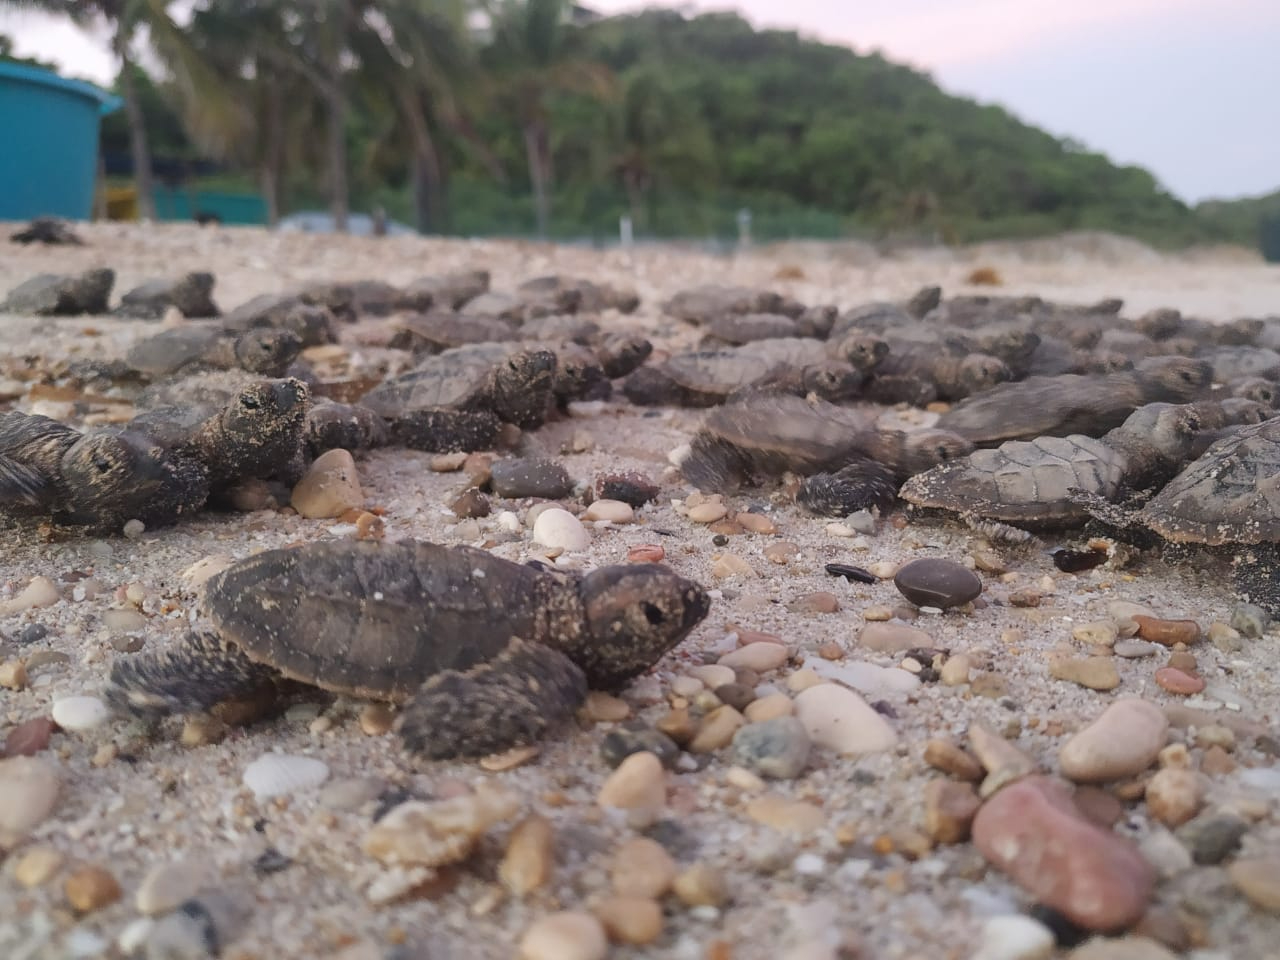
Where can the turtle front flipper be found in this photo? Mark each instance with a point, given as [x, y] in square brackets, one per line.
[510, 700]
[192, 677]
[24, 485]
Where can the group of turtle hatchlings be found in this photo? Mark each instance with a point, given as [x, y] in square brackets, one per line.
[1013, 413]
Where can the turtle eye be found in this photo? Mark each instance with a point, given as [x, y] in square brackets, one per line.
[652, 613]
[943, 453]
[249, 402]
[101, 463]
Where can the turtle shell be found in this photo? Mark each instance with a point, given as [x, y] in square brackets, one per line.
[1022, 481]
[373, 619]
[454, 379]
[171, 350]
[1231, 494]
[715, 373]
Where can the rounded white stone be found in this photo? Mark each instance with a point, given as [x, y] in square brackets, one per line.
[1014, 937]
[276, 774]
[80, 714]
[560, 528]
[167, 885]
[840, 720]
[614, 511]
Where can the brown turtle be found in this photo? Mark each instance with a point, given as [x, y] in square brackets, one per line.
[485, 653]
[208, 345]
[191, 294]
[706, 378]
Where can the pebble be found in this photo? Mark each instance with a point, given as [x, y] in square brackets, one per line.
[29, 790]
[761, 656]
[612, 511]
[1100, 806]
[90, 887]
[1259, 880]
[447, 462]
[781, 552]
[330, 487]
[601, 707]
[80, 714]
[530, 856]
[892, 637]
[955, 672]
[32, 632]
[1167, 632]
[518, 477]
[737, 695]
[1134, 649]
[866, 678]
[1250, 620]
[714, 675]
[1212, 837]
[278, 774]
[1179, 681]
[951, 758]
[437, 832]
[949, 809]
[1095, 673]
[1099, 633]
[642, 868]
[701, 885]
[755, 523]
[716, 730]
[777, 748]
[568, 935]
[36, 866]
[1014, 937]
[1033, 831]
[708, 512]
[1003, 761]
[786, 816]
[470, 504]
[820, 601]
[1122, 742]
[1174, 795]
[646, 553]
[633, 489]
[124, 620]
[1131, 948]
[40, 592]
[617, 745]
[838, 719]
[769, 707]
[186, 933]
[729, 565]
[635, 920]
[167, 885]
[936, 582]
[637, 786]
[376, 719]
[13, 675]
[557, 528]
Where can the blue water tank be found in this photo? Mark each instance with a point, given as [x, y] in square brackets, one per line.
[48, 143]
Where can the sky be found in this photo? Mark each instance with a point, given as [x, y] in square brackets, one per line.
[1185, 88]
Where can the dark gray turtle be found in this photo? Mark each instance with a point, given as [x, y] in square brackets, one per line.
[52, 294]
[259, 433]
[734, 329]
[314, 324]
[1258, 389]
[191, 294]
[100, 479]
[426, 333]
[1074, 403]
[704, 303]
[47, 230]
[859, 485]
[1055, 356]
[332, 425]
[562, 326]
[621, 353]
[1238, 363]
[445, 291]
[707, 378]
[486, 654]
[768, 435]
[584, 296]
[267, 351]
[1033, 484]
[910, 368]
[457, 400]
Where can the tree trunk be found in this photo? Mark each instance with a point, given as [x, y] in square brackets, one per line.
[338, 192]
[535, 145]
[428, 179]
[273, 152]
[635, 196]
[138, 145]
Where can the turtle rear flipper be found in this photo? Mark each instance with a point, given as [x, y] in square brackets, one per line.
[508, 701]
[860, 485]
[24, 485]
[192, 677]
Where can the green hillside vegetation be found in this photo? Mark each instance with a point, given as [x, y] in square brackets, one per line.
[550, 121]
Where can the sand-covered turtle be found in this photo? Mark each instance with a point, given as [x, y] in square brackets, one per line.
[921, 372]
[1036, 484]
[458, 399]
[47, 230]
[1074, 403]
[577, 295]
[706, 378]
[191, 294]
[257, 434]
[704, 303]
[735, 329]
[425, 333]
[208, 345]
[484, 653]
[770, 434]
[444, 291]
[54, 294]
[333, 425]
[100, 479]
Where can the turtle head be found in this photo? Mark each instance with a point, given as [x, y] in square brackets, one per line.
[833, 381]
[267, 350]
[980, 372]
[578, 374]
[267, 410]
[1257, 389]
[111, 477]
[864, 350]
[634, 613]
[925, 449]
[1175, 379]
[1169, 428]
[522, 387]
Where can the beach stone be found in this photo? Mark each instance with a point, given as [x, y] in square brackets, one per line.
[32, 633]
[617, 745]
[567, 935]
[559, 529]
[761, 656]
[755, 523]
[1179, 681]
[646, 553]
[1003, 761]
[949, 809]
[1099, 633]
[1174, 795]
[708, 512]
[1213, 836]
[769, 707]
[199, 929]
[1014, 937]
[279, 774]
[820, 601]
[777, 748]
[438, 832]
[642, 868]
[714, 675]
[838, 719]
[601, 707]
[634, 920]
[936, 582]
[736, 695]
[1135, 649]
[470, 504]
[611, 511]
[1167, 632]
[80, 714]
[1122, 742]
[637, 786]
[1033, 831]
[950, 758]
[29, 789]
[1099, 806]
[29, 738]
[1250, 620]
[782, 552]
[955, 671]
[13, 675]
[1259, 880]
[518, 477]
[530, 855]
[700, 885]
[1123, 948]
[716, 730]
[786, 816]
[633, 489]
[892, 637]
[36, 866]
[90, 887]
[1095, 673]
[330, 487]
[167, 885]
[40, 592]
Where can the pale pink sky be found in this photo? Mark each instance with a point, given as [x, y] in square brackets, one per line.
[1185, 88]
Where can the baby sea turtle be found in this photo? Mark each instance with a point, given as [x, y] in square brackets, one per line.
[1074, 403]
[704, 303]
[457, 400]
[426, 333]
[909, 366]
[191, 294]
[259, 433]
[267, 351]
[101, 479]
[768, 435]
[485, 653]
[1033, 484]
[47, 230]
[706, 378]
[52, 294]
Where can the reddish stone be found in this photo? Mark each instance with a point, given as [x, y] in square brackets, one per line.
[1033, 831]
[29, 738]
[1179, 682]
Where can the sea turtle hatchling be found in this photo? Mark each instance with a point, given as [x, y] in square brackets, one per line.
[706, 378]
[485, 653]
[267, 351]
[1035, 484]
[100, 479]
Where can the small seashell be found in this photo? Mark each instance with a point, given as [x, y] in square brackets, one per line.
[277, 774]
[80, 714]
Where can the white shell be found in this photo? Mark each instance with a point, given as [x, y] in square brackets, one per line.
[276, 774]
[80, 714]
[560, 528]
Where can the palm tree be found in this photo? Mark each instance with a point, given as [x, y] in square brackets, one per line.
[533, 54]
